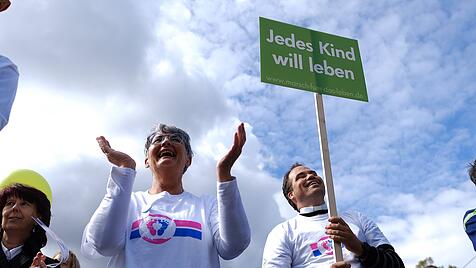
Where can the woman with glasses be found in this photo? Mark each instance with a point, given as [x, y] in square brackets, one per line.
[166, 226]
[22, 239]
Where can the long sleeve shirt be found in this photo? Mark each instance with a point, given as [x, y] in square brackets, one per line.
[301, 242]
[163, 230]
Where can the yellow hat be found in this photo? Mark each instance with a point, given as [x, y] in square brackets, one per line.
[30, 178]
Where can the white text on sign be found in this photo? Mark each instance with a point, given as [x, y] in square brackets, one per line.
[294, 60]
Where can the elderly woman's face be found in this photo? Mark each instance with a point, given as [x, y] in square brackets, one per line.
[167, 150]
[16, 215]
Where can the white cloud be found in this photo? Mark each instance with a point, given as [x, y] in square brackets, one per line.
[431, 225]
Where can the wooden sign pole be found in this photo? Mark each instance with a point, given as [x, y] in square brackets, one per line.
[326, 166]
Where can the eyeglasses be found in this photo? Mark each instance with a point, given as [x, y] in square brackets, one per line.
[174, 138]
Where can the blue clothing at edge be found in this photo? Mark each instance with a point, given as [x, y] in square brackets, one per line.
[469, 221]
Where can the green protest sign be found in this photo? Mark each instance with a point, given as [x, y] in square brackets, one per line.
[301, 58]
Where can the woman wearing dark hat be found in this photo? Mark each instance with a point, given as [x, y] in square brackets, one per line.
[22, 239]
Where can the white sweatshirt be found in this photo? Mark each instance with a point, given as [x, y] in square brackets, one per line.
[301, 242]
[164, 230]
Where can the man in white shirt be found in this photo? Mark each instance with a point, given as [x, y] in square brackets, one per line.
[166, 226]
[306, 240]
[8, 81]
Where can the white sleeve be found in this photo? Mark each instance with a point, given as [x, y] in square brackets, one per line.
[230, 228]
[373, 235]
[105, 233]
[277, 251]
[8, 88]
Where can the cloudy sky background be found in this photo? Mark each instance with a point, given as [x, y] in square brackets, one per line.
[115, 68]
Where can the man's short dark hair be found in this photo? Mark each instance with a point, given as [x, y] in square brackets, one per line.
[287, 187]
[472, 172]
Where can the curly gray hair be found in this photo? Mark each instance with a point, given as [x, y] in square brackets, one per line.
[165, 129]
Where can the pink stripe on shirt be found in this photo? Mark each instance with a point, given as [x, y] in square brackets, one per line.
[191, 224]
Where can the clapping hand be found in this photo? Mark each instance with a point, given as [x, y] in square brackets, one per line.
[117, 158]
[225, 164]
[38, 261]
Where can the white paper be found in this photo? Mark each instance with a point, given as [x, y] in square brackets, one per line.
[63, 249]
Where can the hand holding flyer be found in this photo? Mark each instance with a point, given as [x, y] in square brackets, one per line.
[63, 249]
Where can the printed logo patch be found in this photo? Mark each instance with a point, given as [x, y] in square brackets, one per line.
[158, 229]
[323, 247]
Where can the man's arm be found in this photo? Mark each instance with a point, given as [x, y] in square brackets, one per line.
[277, 250]
[105, 232]
[375, 253]
[382, 256]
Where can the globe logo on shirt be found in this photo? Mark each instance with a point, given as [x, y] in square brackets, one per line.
[156, 228]
[325, 245]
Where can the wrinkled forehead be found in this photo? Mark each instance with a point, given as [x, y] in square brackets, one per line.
[298, 170]
[162, 134]
[167, 133]
[167, 130]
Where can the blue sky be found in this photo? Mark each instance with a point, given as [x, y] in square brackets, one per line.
[115, 68]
